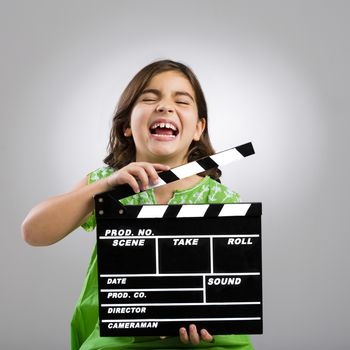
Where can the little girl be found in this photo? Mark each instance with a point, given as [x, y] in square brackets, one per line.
[160, 122]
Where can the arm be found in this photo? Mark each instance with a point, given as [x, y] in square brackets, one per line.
[53, 219]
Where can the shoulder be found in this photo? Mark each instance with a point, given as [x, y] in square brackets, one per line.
[99, 173]
[219, 193]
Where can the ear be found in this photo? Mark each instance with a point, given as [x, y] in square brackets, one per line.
[199, 129]
[127, 132]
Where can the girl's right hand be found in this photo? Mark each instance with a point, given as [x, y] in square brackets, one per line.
[139, 175]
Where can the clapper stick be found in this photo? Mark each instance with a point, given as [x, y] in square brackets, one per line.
[216, 160]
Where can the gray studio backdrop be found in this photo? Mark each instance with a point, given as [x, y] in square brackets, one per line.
[274, 73]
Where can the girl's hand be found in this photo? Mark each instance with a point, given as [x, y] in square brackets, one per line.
[193, 337]
[136, 174]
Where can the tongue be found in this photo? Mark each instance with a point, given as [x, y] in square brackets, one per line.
[160, 131]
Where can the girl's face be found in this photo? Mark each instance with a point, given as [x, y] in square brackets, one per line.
[164, 120]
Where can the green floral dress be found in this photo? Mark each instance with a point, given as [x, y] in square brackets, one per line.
[85, 333]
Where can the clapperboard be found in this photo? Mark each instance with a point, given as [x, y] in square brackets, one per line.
[161, 267]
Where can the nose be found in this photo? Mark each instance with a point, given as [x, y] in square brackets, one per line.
[162, 107]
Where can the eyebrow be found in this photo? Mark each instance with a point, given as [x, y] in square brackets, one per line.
[157, 92]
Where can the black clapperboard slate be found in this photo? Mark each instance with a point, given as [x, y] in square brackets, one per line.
[161, 267]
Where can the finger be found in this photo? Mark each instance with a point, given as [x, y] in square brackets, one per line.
[206, 336]
[153, 170]
[141, 175]
[194, 336]
[161, 167]
[132, 183]
[152, 173]
[183, 335]
[123, 177]
[157, 166]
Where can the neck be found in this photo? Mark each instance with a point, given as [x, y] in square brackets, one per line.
[172, 162]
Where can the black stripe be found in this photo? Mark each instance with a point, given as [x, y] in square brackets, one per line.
[246, 149]
[172, 211]
[207, 163]
[213, 210]
[168, 176]
[254, 210]
[130, 211]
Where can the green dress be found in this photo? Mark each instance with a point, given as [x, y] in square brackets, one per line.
[85, 324]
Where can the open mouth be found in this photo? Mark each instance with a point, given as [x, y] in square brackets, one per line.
[164, 129]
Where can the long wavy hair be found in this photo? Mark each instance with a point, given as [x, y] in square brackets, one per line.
[121, 149]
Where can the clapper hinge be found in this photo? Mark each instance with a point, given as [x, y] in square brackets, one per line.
[107, 200]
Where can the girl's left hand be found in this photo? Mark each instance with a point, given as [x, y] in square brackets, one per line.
[193, 337]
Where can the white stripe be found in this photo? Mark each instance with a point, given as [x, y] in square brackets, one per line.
[182, 236]
[187, 170]
[188, 211]
[152, 290]
[204, 291]
[152, 211]
[185, 304]
[159, 183]
[239, 209]
[182, 274]
[211, 255]
[157, 257]
[225, 157]
[185, 319]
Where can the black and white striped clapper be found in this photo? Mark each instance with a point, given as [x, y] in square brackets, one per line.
[161, 267]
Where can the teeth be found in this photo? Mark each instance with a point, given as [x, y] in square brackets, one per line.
[166, 136]
[164, 125]
[170, 126]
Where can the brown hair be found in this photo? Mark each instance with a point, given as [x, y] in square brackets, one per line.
[122, 149]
